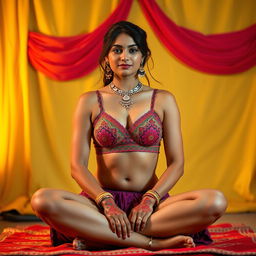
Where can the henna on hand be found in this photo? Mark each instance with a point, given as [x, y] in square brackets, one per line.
[117, 218]
[140, 214]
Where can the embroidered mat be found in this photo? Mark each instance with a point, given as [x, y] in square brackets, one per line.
[34, 240]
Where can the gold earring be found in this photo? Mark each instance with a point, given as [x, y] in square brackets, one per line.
[108, 71]
[141, 71]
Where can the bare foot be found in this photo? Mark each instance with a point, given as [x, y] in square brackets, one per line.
[157, 244]
[173, 242]
[82, 244]
[79, 244]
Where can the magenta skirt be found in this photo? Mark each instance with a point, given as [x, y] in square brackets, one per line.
[125, 200]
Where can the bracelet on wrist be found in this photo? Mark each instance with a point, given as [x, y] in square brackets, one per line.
[102, 196]
[152, 193]
[151, 197]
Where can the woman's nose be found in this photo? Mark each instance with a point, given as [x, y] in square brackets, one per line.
[124, 56]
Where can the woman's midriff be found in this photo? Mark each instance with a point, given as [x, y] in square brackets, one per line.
[131, 171]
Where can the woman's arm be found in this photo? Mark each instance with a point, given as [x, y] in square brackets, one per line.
[80, 148]
[172, 144]
[81, 141]
[174, 157]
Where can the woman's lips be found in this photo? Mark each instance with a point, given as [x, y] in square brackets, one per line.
[124, 66]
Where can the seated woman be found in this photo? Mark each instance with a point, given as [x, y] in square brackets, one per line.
[125, 204]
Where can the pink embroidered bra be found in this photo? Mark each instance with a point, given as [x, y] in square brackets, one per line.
[110, 136]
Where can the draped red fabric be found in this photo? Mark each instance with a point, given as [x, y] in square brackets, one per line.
[217, 54]
[65, 58]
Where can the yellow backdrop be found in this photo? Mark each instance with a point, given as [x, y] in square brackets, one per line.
[218, 112]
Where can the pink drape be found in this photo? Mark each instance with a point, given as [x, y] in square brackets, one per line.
[65, 58]
[217, 54]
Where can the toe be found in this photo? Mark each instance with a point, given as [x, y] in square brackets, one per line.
[189, 242]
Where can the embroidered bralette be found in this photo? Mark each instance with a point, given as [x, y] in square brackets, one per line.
[110, 136]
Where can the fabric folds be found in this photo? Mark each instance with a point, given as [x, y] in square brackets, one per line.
[66, 58]
[225, 53]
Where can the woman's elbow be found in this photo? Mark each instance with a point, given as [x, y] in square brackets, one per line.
[75, 168]
[177, 166]
[181, 171]
[180, 167]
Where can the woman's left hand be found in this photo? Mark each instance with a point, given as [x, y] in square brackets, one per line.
[139, 215]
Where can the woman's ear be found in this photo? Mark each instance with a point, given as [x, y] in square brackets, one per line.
[106, 59]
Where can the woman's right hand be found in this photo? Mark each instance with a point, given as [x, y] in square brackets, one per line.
[117, 218]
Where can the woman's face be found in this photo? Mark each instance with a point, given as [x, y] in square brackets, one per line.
[124, 56]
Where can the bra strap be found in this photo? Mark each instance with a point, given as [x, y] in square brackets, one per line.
[153, 99]
[99, 97]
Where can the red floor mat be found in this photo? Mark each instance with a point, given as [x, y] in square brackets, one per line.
[34, 240]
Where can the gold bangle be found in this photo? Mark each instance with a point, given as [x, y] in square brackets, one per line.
[153, 194]
[102, 196]
[99, 201]
[157, 194]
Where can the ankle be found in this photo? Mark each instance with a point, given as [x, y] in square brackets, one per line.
[150, 243]
[154, 244]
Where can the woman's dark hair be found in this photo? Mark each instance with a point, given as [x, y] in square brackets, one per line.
[139, 36]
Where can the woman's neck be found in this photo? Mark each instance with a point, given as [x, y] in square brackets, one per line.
[125, 84]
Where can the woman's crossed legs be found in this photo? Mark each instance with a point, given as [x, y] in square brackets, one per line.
[78, 216]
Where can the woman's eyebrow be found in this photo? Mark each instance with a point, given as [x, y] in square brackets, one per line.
[129, 46]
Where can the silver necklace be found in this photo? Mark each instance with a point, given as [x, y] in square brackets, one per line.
[126, 100]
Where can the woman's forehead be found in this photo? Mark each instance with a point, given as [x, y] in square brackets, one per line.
[124, 40]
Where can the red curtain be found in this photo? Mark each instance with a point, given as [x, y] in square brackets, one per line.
[217, 54]
[65, 58]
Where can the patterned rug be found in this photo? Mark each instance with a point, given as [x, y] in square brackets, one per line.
[34, 240]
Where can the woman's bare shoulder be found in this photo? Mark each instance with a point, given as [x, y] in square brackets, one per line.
[88, 97]
[87, 101]
[165, 97]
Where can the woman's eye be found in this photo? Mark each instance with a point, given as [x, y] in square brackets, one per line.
[117, 50]
[133, 50]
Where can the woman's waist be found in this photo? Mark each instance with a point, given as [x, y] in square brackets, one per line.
[127, 181]
[127, 162]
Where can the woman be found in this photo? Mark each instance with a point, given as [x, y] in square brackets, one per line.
[126, 204]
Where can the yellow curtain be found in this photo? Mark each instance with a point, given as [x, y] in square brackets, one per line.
[218, 112]
[14, 109]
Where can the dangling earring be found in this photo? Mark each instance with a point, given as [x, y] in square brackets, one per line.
[141, 71]
[108, 71]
